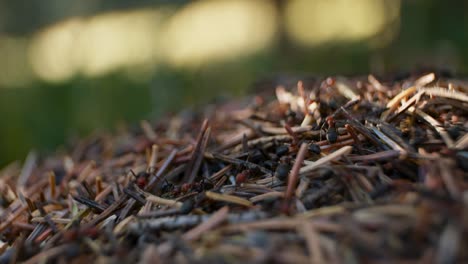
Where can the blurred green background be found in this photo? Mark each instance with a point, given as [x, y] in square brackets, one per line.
[71, 67]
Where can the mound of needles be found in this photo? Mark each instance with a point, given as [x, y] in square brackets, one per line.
[338, 170]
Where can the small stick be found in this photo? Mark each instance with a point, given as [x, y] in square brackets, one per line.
[364, 182]
[393, 104]
[98, 186]
[220, 173]
[239, 162]
[30, 204]
[360, 127]
[263, 141]
[135, 195]
[346, 90]
[424, 80]
[146, 208]
[228, 198]
[56, 220]
[52, 184]
[43, 235]
[162, 201]
[390, 142]
[157, 177]
[383, 155]
[236, 140]
[108, 211]
[292, 134]
[313, 243]
[323, 211]
[294, 174]
[89, 203]
[413, 100]
[342, 141]
[153, 159]
[119, 228]
[443, 92]
[331, 157]
[104, 193]
[12, 217]
[200, 155]
[87, 171]
[152, 183]
[390, 132]
[307, 120]
[306, 102]
[21, 225]
[303, 185]
[266, 196]
[282, 130]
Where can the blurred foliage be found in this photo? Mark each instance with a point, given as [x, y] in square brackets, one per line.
[41, 114]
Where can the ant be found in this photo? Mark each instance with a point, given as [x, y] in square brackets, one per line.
[332, 134]
[141, 179]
